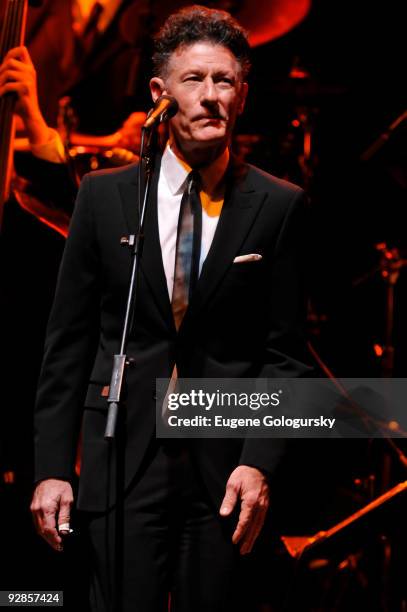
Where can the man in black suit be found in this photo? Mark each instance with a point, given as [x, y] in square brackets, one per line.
[189, 511]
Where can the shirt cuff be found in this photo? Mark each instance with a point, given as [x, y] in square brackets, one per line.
[52, 150]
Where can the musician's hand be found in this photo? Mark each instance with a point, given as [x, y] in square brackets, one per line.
[18, 75]
[129, 135]
[249, 485]
[50, 507]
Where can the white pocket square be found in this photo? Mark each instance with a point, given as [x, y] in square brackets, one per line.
[250, 257]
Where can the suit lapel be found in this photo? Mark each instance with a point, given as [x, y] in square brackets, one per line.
[240, 209]
[151, 262]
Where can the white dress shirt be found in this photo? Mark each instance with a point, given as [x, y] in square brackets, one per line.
[171, 186]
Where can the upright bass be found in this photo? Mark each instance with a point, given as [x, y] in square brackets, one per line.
[12, 35]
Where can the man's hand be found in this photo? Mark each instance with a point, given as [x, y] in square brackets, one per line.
[17, 75]
[51, 506]
[129, 135]
[250, 485]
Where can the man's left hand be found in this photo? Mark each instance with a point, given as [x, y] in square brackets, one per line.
[18, 76]
[250, 486]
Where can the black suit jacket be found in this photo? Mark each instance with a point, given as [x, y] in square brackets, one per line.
[245, 320]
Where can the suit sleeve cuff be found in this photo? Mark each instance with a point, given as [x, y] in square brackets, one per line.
[52, 150]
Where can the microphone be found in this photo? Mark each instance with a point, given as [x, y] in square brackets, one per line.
[164, 108]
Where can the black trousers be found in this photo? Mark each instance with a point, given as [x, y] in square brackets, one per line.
[167, 548]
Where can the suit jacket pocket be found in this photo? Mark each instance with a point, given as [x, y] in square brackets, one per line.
[247, 272]
[96, 396]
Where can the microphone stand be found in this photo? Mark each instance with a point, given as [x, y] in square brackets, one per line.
[135, 243]
[383, 138]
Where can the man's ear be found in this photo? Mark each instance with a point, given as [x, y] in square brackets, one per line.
[157, 88]
[243, 96]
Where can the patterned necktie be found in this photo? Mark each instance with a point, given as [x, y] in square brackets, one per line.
[188, 249]
[187, 257]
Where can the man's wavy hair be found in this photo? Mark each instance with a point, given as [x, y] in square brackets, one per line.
[194, 24]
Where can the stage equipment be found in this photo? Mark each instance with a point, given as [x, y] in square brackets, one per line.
[340, 556]
[135, 243]
[165, 107]
[267, 20]
[47, 212]
[389, 267]
[85, 153]
[384, 137]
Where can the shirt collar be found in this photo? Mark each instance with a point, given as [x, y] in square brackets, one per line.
[176, 171]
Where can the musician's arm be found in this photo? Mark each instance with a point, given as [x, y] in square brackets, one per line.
[18, 75]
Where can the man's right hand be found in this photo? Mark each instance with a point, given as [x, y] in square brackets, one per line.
[51, 507]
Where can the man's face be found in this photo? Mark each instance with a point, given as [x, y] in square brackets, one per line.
[205, 79]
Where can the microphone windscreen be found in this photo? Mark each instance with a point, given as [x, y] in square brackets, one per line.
[172, 109]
